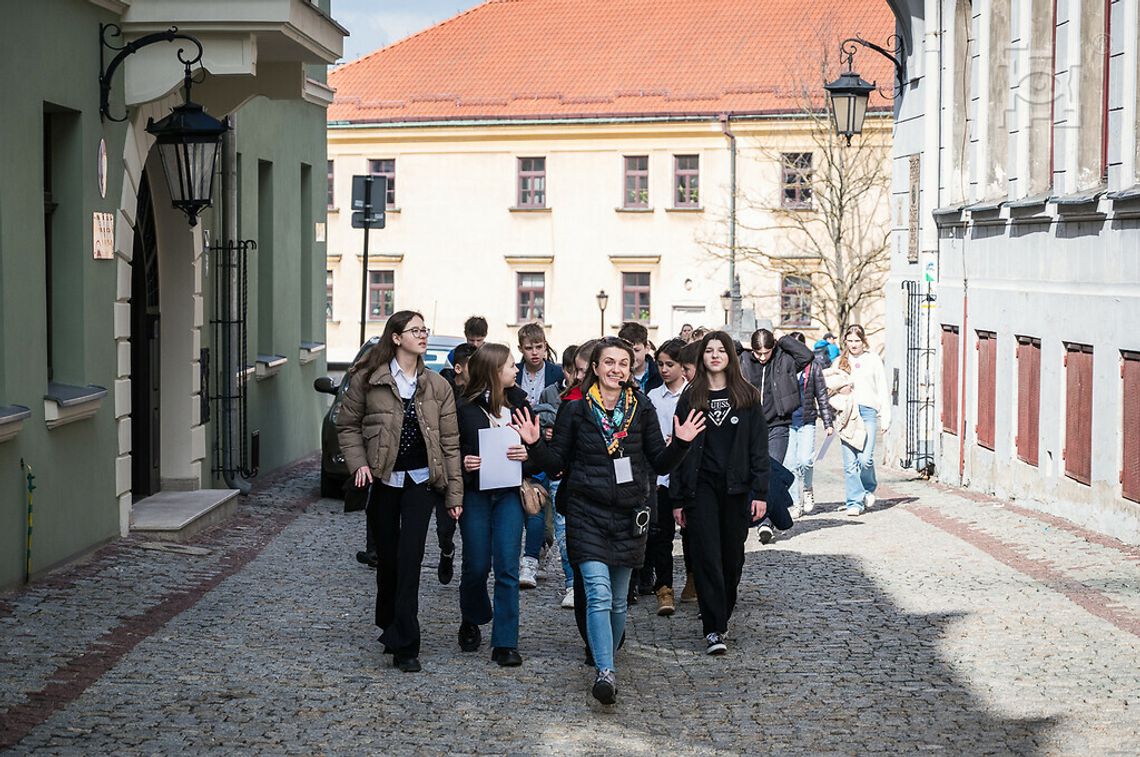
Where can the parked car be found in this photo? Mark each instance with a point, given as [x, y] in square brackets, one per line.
[333, 470]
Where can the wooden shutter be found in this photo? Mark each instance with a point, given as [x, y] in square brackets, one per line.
[1078, 412]
[950, 379]
[987, 387]
[1028, 398]
[1130, 411]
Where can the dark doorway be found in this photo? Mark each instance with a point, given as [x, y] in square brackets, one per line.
[145, 352]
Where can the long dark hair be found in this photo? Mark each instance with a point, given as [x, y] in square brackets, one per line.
[483, 371]
[741, 393]
[585, 351]
[602, 344]
[385, 350]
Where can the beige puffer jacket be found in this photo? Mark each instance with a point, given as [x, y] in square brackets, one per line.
[372, 415]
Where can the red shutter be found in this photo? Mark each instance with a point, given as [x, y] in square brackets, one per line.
[1028, 398]
[1078, 413]
[950, 379]
[1130, 471]
[987, 387]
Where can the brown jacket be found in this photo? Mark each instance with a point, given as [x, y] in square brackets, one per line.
[372, 414]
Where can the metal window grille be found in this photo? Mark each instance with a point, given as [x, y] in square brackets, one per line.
[635, 296]
[1130, 412]
[987, 388]
[636, 182]
[231, 336]
[385, 167]
[1078, 412]
[796, 180]
[686, 181]
[950, 379]
[1028, 399]
[532, 182]
[919, 399]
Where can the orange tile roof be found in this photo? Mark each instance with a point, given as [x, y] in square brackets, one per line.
[597, 58]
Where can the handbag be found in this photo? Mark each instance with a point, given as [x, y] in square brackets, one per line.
[534, 496]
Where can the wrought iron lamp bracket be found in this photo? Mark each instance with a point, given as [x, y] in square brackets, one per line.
[107, 70]
[896, 54]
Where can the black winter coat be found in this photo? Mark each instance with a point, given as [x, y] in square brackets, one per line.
[779, 380]
[747, 470]
[815, 395]
[473, 417]
[599, 511]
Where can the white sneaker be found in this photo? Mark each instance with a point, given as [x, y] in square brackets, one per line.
[797, 511]
[528, 573]
[809, 500]
[568, 599]
[868, 501]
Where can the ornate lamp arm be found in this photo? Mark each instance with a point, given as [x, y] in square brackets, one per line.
[896, 55]
[130, 48]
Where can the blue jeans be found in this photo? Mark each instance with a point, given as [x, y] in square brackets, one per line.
[859, 465]
[606, 589]
[535, 534]
[560, 538]
[491, 526]
[800, 459]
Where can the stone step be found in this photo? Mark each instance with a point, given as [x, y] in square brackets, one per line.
[179, 515]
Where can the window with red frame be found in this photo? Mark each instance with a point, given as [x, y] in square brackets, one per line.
[532, 182]
[386, 167]
[636, 182]
[1028, 398]
[1130, 411]
[1078, 412]
[332, 182]
[686, 181]
[532, 297]
[635, 297]
[381, 294]
[987, 388]
[950, 379]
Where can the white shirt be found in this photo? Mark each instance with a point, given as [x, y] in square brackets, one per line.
[665, 403]
[406, 385]
[533, 383]
[870, 380]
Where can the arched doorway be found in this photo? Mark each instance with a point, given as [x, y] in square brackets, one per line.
[145, 351]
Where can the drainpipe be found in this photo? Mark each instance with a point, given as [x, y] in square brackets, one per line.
[734, 320]
[231, 334]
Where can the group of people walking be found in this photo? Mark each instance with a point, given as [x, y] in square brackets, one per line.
[629, 443]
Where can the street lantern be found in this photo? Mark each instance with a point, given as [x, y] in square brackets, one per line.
[726, 304]
[187, 139]
[849, 93]
[603, 300]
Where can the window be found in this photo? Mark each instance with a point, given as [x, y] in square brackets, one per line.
[1078, 412]
[637, 182]
[381, 294]
[63, 212]
[266, 230]
[635, 296]
[795, 301]
[987, 388]
[796, 181]
[686, 181]
[1028, 398]
[950, 379]
[1130, 470]
[1091, 69]
[331, 196]
[386, 167]
[532, 297]
[532, 182]
[328, 295]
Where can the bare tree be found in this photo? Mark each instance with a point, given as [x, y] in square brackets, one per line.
[829, 219]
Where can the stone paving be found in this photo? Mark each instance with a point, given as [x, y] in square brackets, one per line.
[935, 622]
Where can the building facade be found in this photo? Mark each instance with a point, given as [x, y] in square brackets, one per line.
[110, 366]
[520, 196]
[1020, 117]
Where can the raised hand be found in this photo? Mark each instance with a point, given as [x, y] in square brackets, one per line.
[526, 426]
[692, 426]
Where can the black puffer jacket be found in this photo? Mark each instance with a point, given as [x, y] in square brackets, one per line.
[776, 379]
[473, 417]
[747, 470]
[815, 394]
[599, 511]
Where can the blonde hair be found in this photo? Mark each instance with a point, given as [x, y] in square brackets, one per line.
[857, 330]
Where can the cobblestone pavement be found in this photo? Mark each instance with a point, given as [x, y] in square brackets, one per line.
[935, 622]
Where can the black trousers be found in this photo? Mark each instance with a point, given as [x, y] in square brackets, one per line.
[717, 523]
[659, 545]
[398, 520]
[445, 527]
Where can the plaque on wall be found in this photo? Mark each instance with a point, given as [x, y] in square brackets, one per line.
[103, 236]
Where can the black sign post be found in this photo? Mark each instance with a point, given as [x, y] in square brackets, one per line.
[364, 216]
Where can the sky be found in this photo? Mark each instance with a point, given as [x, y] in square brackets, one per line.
[375, 23]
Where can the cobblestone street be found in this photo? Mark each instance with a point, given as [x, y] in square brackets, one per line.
[933, 622]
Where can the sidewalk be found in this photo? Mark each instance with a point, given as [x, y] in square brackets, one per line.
[936, 621]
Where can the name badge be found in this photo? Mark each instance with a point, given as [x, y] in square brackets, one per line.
[623, 471]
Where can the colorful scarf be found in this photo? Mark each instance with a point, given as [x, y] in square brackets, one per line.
[615, 427]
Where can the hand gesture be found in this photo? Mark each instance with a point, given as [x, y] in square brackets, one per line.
[363, 477]
[517, 453]
[692, 426]
[759, 509]
[471, 463]
[526, 426]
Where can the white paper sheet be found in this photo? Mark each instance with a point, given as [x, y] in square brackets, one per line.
[824, 447]
[495, 470]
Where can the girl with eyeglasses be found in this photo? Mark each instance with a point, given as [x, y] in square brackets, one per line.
[398, 432]
[611, 446]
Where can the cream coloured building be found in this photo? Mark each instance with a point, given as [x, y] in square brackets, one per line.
[524, 208]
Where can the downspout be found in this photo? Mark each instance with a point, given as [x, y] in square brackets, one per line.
[933, 145]
[231, 334]
[735, 318]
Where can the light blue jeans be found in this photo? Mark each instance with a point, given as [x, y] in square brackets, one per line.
[800, 459]
[859, 465]
[606, 589]
[560, 538]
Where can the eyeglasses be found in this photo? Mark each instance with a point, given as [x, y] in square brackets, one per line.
[418, 333]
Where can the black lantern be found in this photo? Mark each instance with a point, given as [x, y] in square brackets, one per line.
[603, 300]
[187, 139]
[849, 93]
[726, 303]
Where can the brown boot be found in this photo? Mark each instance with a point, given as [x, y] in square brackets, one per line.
[689, 593]
[665, 601]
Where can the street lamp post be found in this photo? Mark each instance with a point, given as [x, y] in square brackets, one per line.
[726, 304]
[849, 93]
[603, 300]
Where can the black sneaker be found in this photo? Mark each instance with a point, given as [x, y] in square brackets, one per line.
[714, 644]
[605, 687]
[506, 657]
[470, 637]
[766, 533]
[446, 565]
[367, 558]
[407, 664]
